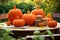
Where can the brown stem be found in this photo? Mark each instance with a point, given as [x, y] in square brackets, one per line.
[37, 7]
[14, 6]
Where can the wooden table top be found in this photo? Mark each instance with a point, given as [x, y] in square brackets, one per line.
[28, 28]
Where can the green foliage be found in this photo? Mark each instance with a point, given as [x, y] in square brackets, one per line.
[4, 35]
[25, 7]
[3, 20]
[50, 33]
[37, 36]
[36, 32]
[4, 8]
[40, 36]
[23, 38]
[48, 5]
[57, 19]
[58, 6]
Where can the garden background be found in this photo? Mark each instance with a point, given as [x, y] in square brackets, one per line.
[49, 6]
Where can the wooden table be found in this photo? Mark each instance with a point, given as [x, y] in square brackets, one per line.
[47, 37]
[28, 30]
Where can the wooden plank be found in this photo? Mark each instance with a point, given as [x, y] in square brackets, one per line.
[29, 28]
[3, 16]
[30, 36]
[47, 37]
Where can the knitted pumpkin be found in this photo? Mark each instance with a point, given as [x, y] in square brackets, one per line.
[19, 22]
[52, 23]
[29, 18]
[41, 24]
[8, 23]
[49, 17]
[13, 13]
[38, 11]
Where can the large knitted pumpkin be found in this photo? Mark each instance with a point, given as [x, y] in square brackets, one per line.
[19, 22]
[29, 18]
[38, 11]
[13, 13]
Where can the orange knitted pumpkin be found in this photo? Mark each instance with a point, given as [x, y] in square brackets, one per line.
[52, 23]
[8, 23]
[19, 22]
[29, 18]
[49, 17]
[38, 11]
[41, 24]
[13, 13]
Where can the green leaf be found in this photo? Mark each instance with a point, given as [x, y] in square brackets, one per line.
[41, 37]
[1, 38]
[38, 37]
[37, 32]
[51, 34]
[35, 38]
[8, 38]
[23, 38]
[4, 35]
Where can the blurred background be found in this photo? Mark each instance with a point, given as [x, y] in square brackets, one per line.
[49, 6]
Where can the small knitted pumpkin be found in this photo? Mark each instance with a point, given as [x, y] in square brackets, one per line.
[8, 23]
[19, 22]
[52, 23]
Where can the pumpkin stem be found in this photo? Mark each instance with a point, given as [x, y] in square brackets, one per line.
[37, 7]
[49, 15]
[14, 6]
[28, 12]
